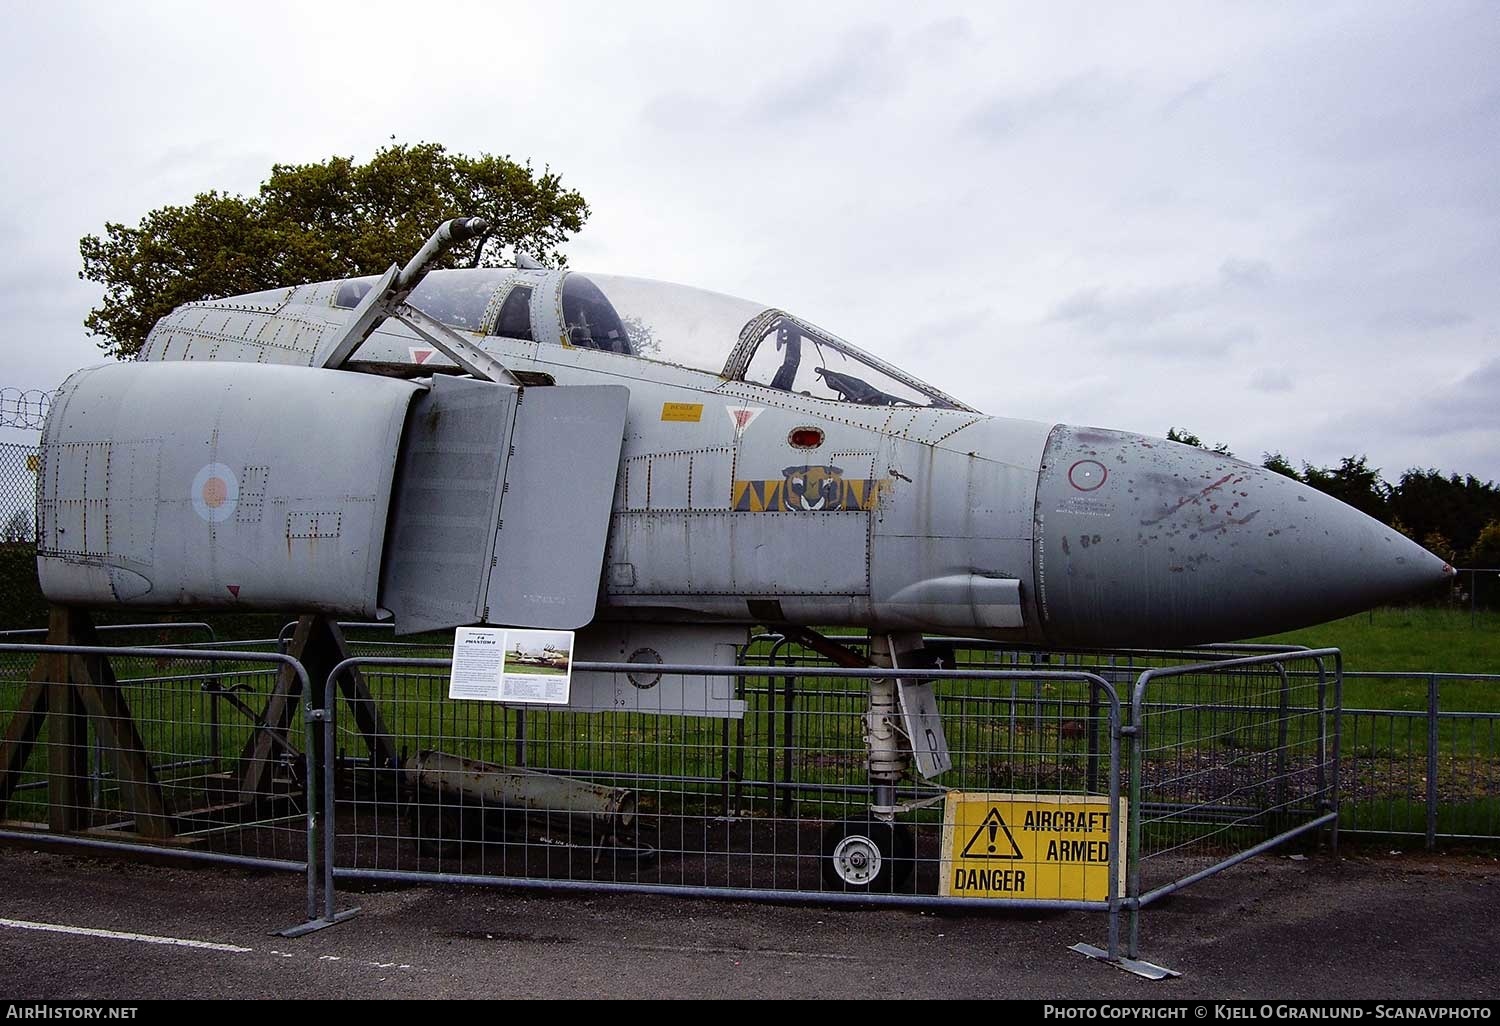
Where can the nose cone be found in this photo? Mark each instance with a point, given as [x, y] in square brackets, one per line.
[1144, 542]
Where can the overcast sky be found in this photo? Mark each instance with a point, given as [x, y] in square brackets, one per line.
[1275, 225]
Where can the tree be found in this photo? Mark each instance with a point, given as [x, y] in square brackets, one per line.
[1277, 463]
[1486, 555]
[1437, 543]
[1486, 550]
[311, 222]
[18, 527]
[1354, 482]
[1456, 507]
[1188, 438]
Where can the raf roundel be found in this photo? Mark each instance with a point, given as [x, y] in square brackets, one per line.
[215, 493]
[1087, 475]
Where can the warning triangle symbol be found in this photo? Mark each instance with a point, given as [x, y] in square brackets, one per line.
[991, 840]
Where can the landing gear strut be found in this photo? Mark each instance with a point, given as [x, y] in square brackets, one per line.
[872, 852]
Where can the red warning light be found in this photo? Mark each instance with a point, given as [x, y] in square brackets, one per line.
[806, 437]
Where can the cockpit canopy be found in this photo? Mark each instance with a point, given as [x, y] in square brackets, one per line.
[737, 339]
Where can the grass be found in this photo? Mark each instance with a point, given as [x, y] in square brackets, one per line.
[536, 671]
[1423, 639]
[1416, 640]
[1003, 739]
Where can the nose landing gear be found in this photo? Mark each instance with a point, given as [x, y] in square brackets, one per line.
[872, 853]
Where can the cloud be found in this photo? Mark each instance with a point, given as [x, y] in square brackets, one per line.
[1420, 319]
[1470, 404]
[1271, 380]
[859, 71]
[1188, 343]
[1099, 310]
[1451, 427]
[1072, 103]
[1253, 274]
[1192, 93]
[1050, 211]
[939, 37]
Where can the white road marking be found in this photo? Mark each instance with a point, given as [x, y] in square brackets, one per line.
[144, 938]
[693, 949]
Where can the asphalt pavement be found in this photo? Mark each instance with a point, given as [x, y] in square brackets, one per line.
[1372, 924]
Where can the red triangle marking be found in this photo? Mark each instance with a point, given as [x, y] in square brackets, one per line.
[421, 355]
[234, 589]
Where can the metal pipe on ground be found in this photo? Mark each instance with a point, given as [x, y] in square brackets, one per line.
[609, 811]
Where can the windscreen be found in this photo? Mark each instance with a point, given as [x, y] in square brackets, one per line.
[674, 323]
[793, 356]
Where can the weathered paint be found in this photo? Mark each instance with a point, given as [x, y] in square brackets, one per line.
[944, 519]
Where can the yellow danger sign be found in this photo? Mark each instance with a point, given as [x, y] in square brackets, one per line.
[1028, 846]
[691, 412]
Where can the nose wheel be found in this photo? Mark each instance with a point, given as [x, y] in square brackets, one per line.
[869, 855]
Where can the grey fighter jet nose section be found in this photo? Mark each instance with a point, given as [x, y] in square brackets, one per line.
[1144, 541]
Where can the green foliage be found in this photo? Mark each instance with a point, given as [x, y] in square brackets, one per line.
[17, 527]
[1456, 507]
[312, 222]
[1354, 482]
[21, 602]
[1188, 438]
[1486, 549]
[1486, 554]
[1279, 464]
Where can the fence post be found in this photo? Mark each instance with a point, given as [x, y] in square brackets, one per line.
[788, 726]
[1338, 742]
[1432, 760]
[1283, 738]
[1137, 733]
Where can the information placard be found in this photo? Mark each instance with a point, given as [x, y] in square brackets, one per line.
[513, 665]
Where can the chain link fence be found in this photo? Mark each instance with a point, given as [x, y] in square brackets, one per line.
[18, 470]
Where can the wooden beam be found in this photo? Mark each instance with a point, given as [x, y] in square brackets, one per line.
[67, 732]
[319, 645]
[92, 680]
[24, 726]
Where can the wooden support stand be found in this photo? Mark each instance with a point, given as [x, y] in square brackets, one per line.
[65, 693]
[72, 691]
[319, 645]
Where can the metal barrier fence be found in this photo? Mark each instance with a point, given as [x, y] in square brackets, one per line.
[1427, 765]
[1217, 760]
[689, 805]
[1229, 759]
[1431, 770]
[158, 629]
[166, 749]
